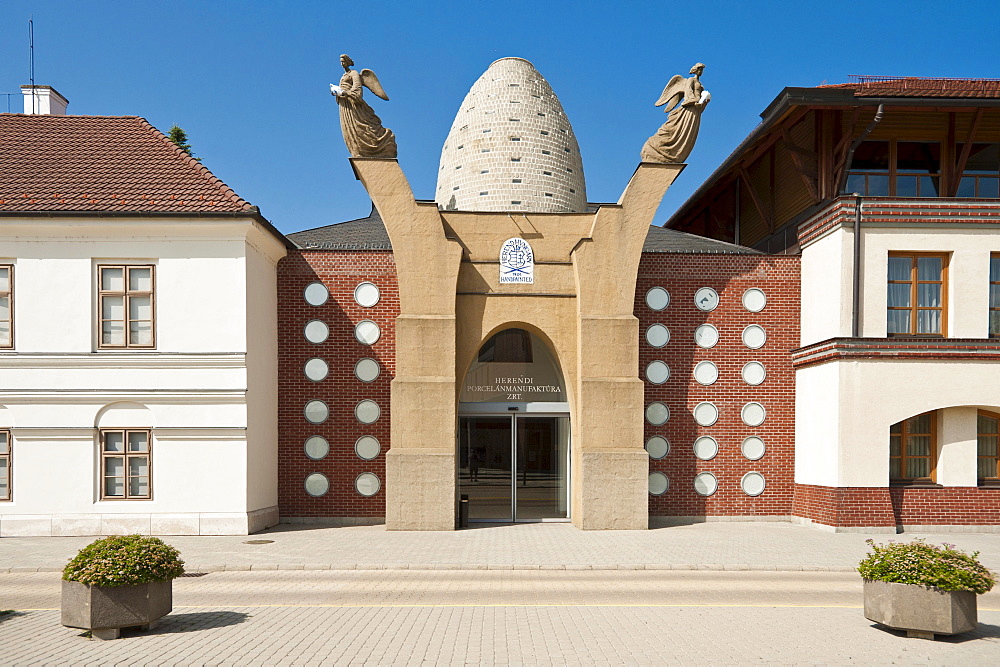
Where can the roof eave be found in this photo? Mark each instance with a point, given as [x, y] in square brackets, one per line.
[793, 97]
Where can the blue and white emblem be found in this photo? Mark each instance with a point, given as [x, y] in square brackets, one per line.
[517, 262]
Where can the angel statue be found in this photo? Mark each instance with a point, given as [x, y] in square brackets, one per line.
[363, 131]
[673, 142]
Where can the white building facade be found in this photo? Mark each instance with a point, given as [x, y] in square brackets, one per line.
[138, 350]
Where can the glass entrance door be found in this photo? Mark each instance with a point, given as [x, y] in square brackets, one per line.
[514, 467]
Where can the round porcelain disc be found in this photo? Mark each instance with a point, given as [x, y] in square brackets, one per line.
[367, 412]
[705, 448]
[367, 484]
[706, 336]
[317, 447]
[657, 447]
[754, 337]
[657, 414]
[657, 298]
[754, 300]
[753, 414]
[657, 372]
[754, 373]
[706, 299]
[706, 414]
[367, 370]
[753, 448]
[316, 412]
[367, 447]
[316, 294]
[657, 335]
[753, 484]
[706, 373]
[316, 369]
[366, 295]
[658, 484]
[316, 331]
[317, 484]
[367, 332]
[705, 484]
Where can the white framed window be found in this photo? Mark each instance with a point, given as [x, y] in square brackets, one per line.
[6, 306]
[5, 466]
[125, 306]
[126, 464]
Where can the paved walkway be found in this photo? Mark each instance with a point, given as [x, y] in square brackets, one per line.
[710, 546]
[493, 617]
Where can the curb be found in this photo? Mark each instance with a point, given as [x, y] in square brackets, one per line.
[199, 568]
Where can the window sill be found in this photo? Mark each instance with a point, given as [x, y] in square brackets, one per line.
[989, 484]
[915, 484]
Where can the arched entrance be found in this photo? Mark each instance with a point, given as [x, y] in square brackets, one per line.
[514, 432]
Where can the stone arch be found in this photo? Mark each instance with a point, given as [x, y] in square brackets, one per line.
[549, 362]
[124, 414]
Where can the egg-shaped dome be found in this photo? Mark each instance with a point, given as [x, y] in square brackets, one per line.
[511, 147]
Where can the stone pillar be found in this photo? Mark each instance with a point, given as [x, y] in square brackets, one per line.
[420, 464]
[610, 464]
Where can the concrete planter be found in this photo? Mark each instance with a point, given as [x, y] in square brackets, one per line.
[923, 611]
[105, 610]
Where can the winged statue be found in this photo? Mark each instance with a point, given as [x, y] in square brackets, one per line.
[684, 100]
[362, 128]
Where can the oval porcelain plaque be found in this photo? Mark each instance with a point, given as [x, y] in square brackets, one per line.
[657, 335]
[658, 484]
[657, 414]
[706, 336]
[705, 448]
[753, 448]
[753, 373]
[316, 294]
[706, 299]
[367, 484]
[706, 373]
[705, 484]
[657, 372]
[706, 414]
[366, 295]
[657, 447]
[754, 300]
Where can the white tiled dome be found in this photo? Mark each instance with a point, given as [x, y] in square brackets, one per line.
[511, 147]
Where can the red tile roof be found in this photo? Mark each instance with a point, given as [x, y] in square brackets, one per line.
[102, 163]
[912, 86]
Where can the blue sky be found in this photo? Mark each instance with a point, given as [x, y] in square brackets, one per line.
[248, 80]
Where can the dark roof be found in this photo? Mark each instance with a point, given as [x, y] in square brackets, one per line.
[366, 233]
[369, 234]
[103, 163]
[661, 239]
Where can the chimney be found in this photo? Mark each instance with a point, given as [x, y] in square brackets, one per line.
[43, 100]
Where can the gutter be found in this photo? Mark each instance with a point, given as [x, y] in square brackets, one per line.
[856, 273]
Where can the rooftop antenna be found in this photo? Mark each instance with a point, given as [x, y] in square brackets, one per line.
[31, 62]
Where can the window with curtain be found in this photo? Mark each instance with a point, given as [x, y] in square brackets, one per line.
[125, 464]
[916, 292]
[988, 433]
[125, 305]
[6, 306]
[4, 465]
[913, 449]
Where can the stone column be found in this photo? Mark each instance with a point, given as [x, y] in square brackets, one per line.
[610, 465]
[420, 464]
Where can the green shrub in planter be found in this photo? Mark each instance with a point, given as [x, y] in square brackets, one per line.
[125, 560]
[943, 567]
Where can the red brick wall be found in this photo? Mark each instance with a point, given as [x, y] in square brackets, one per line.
[895, 506]
[341, 272]
[730, 276]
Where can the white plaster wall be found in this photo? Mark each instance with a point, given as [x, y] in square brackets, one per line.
[56, 387]
[844, 411]
[827, 288]
[817, 425]
[957, 446]
[262, 375]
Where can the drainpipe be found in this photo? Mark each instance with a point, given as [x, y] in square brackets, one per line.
[854, 146]
[856, 309]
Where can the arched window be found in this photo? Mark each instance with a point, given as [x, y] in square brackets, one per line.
[913, 449]
[987, 435]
